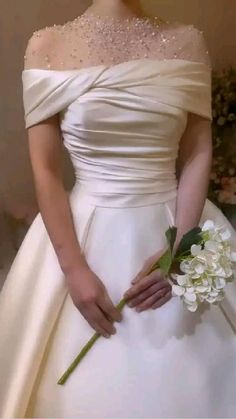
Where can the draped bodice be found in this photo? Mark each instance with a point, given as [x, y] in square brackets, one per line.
[121, 124]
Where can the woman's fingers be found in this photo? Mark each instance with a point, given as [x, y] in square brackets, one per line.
[143, 283]
[162, 300]
[157, 299]
[106, 304]
[148, 292]
[97, 319]
[148, 264]
[145, 269]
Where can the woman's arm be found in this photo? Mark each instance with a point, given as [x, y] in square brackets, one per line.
[87, 291]
[193, 173]
[45, 149]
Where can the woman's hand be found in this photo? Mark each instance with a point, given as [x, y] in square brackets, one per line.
[148, 291]
[90, 296]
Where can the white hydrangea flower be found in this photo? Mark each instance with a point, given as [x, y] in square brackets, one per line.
[207, 269]
[196, 249]
[225, 235]
[208, 225]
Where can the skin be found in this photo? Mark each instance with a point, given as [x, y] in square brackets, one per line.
[87, 291]
[117, 8]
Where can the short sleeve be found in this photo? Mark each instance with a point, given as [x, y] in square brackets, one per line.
[48, 92]
[200, 100]
[196, 49]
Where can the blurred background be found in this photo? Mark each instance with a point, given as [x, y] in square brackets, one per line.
[18, 20]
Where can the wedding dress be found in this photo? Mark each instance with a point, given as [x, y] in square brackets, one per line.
[121, 124]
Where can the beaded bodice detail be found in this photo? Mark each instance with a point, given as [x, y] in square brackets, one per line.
[91, 40]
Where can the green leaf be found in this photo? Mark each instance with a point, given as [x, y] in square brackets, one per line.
[171, 236]
[165, 261]
[191, 237]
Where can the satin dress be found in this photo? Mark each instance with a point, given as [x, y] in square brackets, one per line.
[121, 125]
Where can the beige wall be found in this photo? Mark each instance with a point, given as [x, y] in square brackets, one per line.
[19, 18]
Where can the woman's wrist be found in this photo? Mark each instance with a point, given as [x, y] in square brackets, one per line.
[75, 263]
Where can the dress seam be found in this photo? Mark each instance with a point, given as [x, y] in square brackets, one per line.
[87, 230]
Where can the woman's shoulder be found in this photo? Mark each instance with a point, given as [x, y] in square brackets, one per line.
[39, 47]
[53, 47]
[46, 44]
[186, 41]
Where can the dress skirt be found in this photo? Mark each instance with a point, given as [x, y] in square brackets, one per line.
[167, 362]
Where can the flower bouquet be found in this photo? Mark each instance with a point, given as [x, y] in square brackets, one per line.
[205, 258]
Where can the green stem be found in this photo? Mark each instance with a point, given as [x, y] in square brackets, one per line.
[94, 338]
[85, 349]
[83, 352]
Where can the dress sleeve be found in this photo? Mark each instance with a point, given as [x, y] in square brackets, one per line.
[198, 90]
[42, 94]
[196, 50]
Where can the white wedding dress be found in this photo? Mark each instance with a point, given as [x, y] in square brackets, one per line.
[121, 125]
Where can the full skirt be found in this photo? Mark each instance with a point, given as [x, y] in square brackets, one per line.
[161, 363]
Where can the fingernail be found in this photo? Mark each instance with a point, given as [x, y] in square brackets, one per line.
[107, 336]
[138, 309]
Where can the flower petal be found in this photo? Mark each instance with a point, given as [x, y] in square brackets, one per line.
[190, 296]
[220, 283]
[208, 225]
[199, 268]
[201, 288]
[195, 249]
[213, 293]
[177, 290]
[210, 299]
[233, 256]
[225, 235]
[182, 279]
[192, 307]
[211, 245]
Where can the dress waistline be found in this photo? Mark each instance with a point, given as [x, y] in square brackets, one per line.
[120, 200]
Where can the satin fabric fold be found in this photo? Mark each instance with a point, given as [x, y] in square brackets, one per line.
[177, 82]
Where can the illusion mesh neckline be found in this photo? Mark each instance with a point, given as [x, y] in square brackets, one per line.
[90, 41]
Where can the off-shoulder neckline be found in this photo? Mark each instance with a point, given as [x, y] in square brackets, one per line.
[151, 60]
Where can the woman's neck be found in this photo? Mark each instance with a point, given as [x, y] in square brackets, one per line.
[116, 8]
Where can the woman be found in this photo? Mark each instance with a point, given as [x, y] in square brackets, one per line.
[130, 98]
